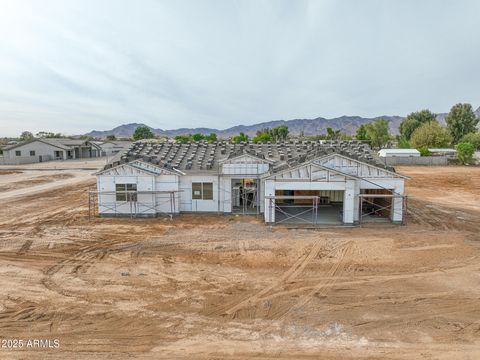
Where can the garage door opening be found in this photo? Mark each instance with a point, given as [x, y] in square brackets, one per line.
[314, 207]
[376, 205]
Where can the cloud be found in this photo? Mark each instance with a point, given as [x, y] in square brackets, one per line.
[77, 65]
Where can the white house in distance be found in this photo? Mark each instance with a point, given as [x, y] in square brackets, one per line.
[302, 182]
[398, 153]
[40, 150]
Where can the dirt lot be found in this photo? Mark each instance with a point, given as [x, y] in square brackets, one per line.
[215, 287]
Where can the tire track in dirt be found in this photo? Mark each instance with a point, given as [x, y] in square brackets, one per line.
[289, 275]
[321, 288]
[294, 270]
[25, 247]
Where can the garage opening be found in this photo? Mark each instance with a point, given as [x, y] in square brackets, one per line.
[309, 206]
[376, 205]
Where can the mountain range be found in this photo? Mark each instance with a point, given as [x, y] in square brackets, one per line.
[347, 124]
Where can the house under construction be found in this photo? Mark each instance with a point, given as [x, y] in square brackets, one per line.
[301, 182]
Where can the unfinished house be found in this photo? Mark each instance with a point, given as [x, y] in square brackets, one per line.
[301, 182]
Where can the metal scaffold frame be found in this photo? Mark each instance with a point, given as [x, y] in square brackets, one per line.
[136, 208]
[249, 198]
[378, 208]
[273, 207]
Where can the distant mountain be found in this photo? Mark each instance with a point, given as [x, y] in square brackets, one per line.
[125, 130]
[347, 124]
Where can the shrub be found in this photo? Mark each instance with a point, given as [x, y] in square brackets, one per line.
[473, 138]
[465, 152]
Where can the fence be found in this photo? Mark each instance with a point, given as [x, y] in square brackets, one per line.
[415, 160]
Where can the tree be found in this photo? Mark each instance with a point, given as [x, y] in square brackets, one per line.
[473, 138]
[197, 137]
[461, 120]
[361, 133]
[279, 133]
[430, 135]
[210, 138]
[413, 121]
[333, 134]
[143, 132]
[111, 137]
[26, 135]
[403, 143]
[183, 138]
[49, 135]
[86, 137]
[240, 138]
[377, 133]
[262, 137]
[465, 152]
[424, 151]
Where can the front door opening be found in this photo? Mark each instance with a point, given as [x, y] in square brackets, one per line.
[245, 199]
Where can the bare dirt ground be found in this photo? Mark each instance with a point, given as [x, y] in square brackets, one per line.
[215, 287]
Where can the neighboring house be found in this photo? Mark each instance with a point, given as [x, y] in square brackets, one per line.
[39, 150]
[312, 182]
[398, 153]
[442, 152]
[108, 148]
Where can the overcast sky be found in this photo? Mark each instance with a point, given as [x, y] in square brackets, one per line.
[72, 66]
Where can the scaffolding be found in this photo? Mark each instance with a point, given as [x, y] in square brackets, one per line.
[299, 216]
[370, 209]
[135, 207]
[245, 198]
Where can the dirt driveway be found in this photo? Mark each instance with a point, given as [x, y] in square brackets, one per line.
[215, 287]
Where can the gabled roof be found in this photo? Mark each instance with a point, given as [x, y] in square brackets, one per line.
[247, 154]
[64, 144]
[57, 145]
[308, 163]
[143, 167]
[393, 173]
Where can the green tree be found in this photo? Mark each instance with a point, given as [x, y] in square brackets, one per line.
[333, 134]
[280, 133]
[212, 137]
[111, 137]
[403, 143]
[143, 132]
[26, 135]
[183, 138]
[461, 120]
[240, 138]
[430, 135]
[361, 133]
[262, 137]
[86, 137]
[424, 151]
[465, 152]
[473, 138]
[413, 121]
[378, 133]
[49, 135]
[198, 137]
